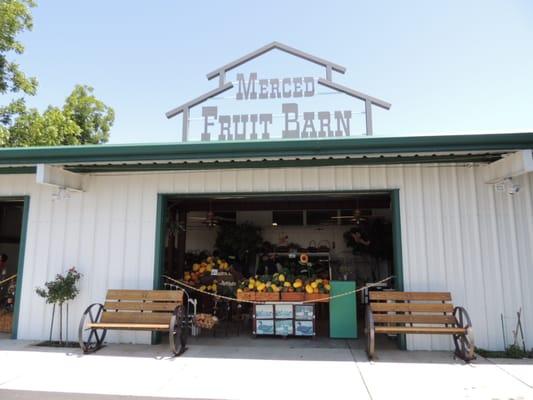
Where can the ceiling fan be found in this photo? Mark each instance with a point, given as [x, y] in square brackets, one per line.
[211, 220]
[358, 216]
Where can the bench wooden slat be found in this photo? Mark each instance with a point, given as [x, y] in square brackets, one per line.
[165, 295]
[158, 295]
[419, 329]
[416, 296]
[132, 317]
[125, 294]
[137, 327]
[139, 306]
[414, 319]
[412, 307]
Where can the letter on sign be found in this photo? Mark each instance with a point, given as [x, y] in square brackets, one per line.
[206, 113]
[247, 92]
[291, 117]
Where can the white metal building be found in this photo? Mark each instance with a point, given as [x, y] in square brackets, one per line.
[465, 227]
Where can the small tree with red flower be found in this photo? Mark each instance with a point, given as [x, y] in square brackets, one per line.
[57, 292]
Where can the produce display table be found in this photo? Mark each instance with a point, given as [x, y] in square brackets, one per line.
[284, 319]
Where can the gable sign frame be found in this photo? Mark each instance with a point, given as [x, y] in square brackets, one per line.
[224, 86]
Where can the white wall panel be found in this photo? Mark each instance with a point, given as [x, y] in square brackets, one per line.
[458, 234]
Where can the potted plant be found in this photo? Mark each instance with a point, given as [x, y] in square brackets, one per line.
[57, 292]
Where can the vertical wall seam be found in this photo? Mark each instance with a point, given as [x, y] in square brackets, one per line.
[141, 216]
[496, 239]
[36, 205]
[528, 211]
[480, 248]
[50, 241]
[461, 231]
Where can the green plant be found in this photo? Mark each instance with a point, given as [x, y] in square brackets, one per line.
[512, 351]
[62, 289]
[240, 240]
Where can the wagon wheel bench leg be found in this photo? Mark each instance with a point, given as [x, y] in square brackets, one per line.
[178, 331]
[370, 334]
[91, 339]
[464, 343]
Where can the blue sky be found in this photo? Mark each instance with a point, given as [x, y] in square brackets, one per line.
[446, 67]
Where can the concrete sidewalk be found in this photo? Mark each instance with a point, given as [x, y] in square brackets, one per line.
[259, 369]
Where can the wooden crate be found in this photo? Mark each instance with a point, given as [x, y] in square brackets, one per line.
[266, 296]
[6, 322]
[249, 296]
[317, 297]
[292, 296]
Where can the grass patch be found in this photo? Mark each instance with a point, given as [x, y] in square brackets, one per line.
[512, 351]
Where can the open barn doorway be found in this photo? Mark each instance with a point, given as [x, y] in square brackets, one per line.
[12, 216]
[214, 243]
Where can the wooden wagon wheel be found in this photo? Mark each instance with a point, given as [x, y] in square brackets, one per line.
[178, 331]
[91, 339]
[464, 343]
[370, 333]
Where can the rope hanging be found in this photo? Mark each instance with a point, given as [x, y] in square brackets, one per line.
[219, 296]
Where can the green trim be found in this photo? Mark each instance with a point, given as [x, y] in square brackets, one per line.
[314, 162]
[159, 259]
[397, 239]
[159, 240]
[20, 267]
[397, 251]
[17, 170]
[272, 148]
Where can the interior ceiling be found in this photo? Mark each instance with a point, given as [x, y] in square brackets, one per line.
[284, 202]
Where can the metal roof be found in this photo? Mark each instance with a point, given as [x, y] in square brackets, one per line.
[272, 153]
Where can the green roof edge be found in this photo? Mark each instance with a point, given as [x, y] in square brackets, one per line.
[271, 148]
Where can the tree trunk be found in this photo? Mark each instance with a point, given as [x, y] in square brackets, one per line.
[52, 322]
[61, 323]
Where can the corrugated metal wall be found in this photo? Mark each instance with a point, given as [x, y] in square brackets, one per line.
[458, 234]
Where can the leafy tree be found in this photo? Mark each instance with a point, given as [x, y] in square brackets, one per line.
[59, 291]
[51, 128]
[91, 115]
[83, 119]
[15, 17]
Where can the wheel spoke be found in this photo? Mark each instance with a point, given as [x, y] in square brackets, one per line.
[90, 336]
[100, 309]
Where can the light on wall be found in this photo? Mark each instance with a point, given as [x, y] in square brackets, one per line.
[61, 194]
[508, 186]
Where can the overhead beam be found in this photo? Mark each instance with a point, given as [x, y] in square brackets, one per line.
[58, 177]
[200, 99]
[280, 46]
[354, 93]
[510, 166]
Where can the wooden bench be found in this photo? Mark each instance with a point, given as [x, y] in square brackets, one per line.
[431, 313]
[140, 310]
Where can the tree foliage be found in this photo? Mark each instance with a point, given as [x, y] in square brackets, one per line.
[15, 17]
[83, 119]
[91, 115]
[62, 288]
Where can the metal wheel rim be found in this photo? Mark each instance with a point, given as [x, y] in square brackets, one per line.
[95, 337]
[464, 343]
[177, 332]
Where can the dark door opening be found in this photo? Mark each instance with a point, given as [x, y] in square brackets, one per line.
[189, 226]
[11, 222]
